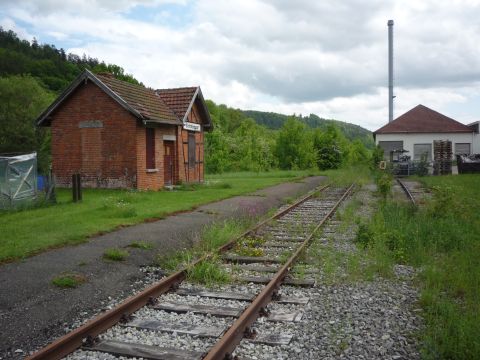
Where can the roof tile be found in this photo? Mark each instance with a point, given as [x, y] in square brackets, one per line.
[178, 99]
[144, 100]
[422, 119]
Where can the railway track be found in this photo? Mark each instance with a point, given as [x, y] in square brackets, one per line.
[175, 319]
[414, 192]
[407, 191]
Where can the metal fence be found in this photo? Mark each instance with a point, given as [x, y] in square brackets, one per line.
[18, 179]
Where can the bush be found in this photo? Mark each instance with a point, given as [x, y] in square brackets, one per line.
[384, 185]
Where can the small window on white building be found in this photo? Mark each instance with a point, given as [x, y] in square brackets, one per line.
[462, 148]
[421, 149]
[389, 146]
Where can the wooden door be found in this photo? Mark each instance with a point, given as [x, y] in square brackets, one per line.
[168, 161]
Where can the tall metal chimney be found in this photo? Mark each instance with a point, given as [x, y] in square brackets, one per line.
[390, 70]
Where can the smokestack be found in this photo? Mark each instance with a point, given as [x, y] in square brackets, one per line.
[390, 70]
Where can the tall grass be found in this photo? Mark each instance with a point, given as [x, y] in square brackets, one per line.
[443, 239]
[213, 236]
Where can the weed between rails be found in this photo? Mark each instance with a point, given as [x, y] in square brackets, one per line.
[208, 272]
[212, 237]
[250, 246]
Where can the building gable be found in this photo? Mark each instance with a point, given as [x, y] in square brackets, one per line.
[421, 119]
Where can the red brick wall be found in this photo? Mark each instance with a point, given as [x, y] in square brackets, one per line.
[105, 156]
[146, 178]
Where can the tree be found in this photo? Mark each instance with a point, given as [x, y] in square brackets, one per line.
[358, 153]
[22, 99]
[294, 146]
[330, 148]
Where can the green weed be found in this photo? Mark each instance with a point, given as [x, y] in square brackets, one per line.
[208, 272]
[250, 246]
[114, 254]
[69, 280]
[141, 245]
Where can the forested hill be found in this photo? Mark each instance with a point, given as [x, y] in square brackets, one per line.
[52, 67]
[275, 121]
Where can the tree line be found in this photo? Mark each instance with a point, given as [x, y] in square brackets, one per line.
[239, 143]
[32, 75]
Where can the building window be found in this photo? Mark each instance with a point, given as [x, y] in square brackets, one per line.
[389, 147]
[150, 147]
[462, 148]
[191, 149]
[420, 149]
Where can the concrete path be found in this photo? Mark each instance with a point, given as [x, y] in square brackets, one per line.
[33, 311]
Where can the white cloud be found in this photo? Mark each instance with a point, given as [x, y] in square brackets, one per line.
[305, 56]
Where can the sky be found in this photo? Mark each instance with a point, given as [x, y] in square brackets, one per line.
[323, 57]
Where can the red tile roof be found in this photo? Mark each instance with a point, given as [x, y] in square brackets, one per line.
[421, 119]
[144, 100]
[165, 106]
[178, 99]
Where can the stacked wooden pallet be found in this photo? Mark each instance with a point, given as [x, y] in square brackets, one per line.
[442, 152]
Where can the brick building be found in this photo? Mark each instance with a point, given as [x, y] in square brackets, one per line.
[121, 135]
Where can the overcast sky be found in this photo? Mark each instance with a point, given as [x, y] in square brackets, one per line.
[302, 56]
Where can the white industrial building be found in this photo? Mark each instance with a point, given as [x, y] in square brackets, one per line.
[416, 130]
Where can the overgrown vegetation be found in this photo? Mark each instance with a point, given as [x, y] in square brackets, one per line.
[114, 254]
[213, 236]
[69, 280]
[250, 246]
[443, 239]
[208, 272]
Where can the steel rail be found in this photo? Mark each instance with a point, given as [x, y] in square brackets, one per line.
[409, 194]
[228, 342]
[75, 339]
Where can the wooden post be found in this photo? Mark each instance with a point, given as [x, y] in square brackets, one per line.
[76, 187]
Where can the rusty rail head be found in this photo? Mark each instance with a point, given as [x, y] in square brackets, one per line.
[74, 339]
[407, 191]
[228, 342]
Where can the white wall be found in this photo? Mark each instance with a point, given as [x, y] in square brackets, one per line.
[476, 144]
[410, 139]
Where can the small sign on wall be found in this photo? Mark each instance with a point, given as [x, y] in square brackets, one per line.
[90, 124]
[192, 126]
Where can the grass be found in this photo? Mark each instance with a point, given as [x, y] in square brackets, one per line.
[360, 175]
[208, 272]
[213, 236]
[443, 239]
[115, 254]
[141, 245]
[69, 280]
[29, 231]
